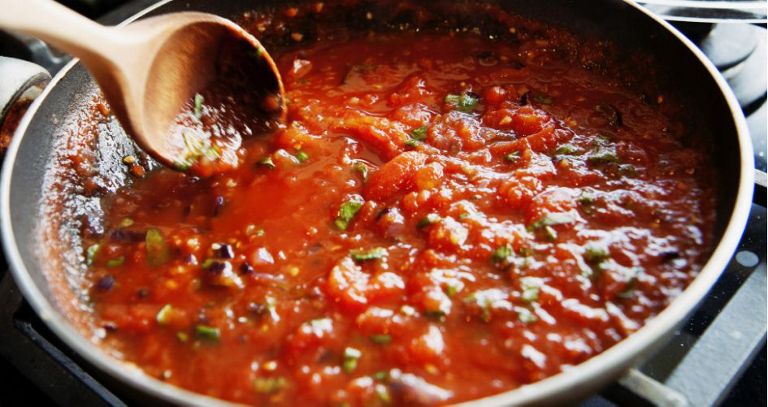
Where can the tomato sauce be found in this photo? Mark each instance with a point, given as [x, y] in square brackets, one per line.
[442, 217]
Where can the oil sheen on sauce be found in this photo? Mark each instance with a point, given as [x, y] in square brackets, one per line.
[441, 218]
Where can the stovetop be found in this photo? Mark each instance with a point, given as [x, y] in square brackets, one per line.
[717, 357]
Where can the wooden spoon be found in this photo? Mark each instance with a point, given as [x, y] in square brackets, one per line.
[150, 69]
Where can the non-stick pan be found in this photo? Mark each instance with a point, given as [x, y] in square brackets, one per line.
[43, 202]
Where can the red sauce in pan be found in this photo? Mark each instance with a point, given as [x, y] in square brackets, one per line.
[443, 217]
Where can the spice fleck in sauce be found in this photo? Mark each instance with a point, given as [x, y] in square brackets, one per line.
[442, 217]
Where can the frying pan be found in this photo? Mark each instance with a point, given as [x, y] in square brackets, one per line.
[42, 203]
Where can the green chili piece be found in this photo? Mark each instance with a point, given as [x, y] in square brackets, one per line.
[411, 143]
[367, 255]
[362, 169]
[164, 315]
[465, 102]
[512, 157]
[502, 254]
[381, 339]
[207, 333]
[567, 149]
[347, 212]
[526, 316]
[552, 219]
[351, 356]
[594, 254]
[90, 253]
[382, 392]
[419, 133]
[381, 375]
[269, 385]
[117, 262]
[199, 99]
[430, 219]
[157, 249]
[301, 156]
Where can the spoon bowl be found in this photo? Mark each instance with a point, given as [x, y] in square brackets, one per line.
[150, 70]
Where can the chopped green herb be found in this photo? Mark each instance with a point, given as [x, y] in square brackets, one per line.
[199, 105]
[301, 156]
[587, 197]
[502, 254]
[193, 145]
[552, 219]
[381, 375]
[512, 157]
[603, 152]
[207, 263]
[626, 294]
[550, 233]
[351, 356]
[126, 222]
[157, 249]
[603, 156]
[182, 336]
[411, 143]
[117, 262]
[595, 254]
[526, 251]
[362, 169]
[531, 287]
[430, 219]
[525, 315]
[419, 133]
[267, 162]
[531, 294]
[164, 315]
[195, 149]
[542, 99]
[567, 149]
[465, 102]
[488, 300]
[90, 253]
[629, 289]
[367, 255]
[381, 339]
[453, 288]
[382, 392]
[207, 333]
[269, 385]
[347, 211]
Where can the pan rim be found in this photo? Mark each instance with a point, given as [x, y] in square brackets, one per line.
[615, 359]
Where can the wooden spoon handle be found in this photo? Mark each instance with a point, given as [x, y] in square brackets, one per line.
[57, 25]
